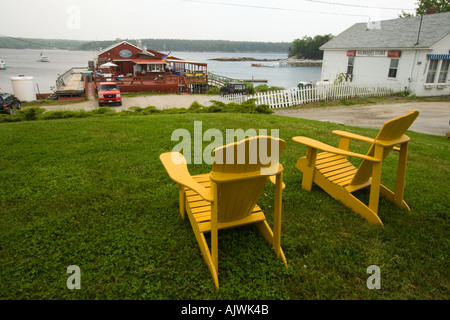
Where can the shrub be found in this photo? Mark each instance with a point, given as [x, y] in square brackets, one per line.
[103, 111]
[35, 113]
[195, 106]
[265, 88]
[214, 91]
[30, 114]
[150, 110]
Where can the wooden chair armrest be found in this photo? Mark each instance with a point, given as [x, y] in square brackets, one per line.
[273, 179]
[355, 136]
[179, 173]
[325, 147]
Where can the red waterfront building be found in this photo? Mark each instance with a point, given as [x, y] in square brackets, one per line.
[136, 68]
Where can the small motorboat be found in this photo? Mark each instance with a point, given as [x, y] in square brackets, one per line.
[262, 65]
[2, 64]
[44, 58]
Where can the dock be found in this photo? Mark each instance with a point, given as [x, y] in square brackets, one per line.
[219, 81]
[71, 83]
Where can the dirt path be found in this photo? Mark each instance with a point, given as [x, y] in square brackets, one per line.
[433, 119]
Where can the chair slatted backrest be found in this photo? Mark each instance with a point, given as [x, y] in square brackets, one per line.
[237, 195]
[392, 130]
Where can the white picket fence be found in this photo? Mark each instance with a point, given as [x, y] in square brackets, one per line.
[293, 97]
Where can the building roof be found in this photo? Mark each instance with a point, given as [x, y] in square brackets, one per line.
[396, 34]
[146, 61]
[118, 44]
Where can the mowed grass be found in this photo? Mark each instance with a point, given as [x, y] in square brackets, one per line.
[92, 192]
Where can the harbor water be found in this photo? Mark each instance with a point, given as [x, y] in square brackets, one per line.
[26, 62]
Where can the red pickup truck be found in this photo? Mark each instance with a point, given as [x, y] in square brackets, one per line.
[109, 93]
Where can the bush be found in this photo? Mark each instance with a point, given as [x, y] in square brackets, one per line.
[195, 106]
[29, 114]
[36, 113]
[213, 91]
[9, 118]
[150, 110]
[265, 88]
[103, 111]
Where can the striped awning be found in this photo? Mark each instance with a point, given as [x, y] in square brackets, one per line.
[439, 56]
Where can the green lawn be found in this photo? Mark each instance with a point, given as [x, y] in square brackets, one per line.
[92, 192]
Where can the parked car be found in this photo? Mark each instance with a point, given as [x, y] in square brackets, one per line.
[109, 93]
[8, 103]
[233, 87]
[304, 84]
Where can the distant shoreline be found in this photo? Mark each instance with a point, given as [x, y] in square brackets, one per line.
[228, 59]
[283, 62]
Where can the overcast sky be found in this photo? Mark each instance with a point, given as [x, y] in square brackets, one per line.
[238, 20]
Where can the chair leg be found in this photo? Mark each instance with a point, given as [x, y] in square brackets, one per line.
[182, 200]
[307, 166]
[267, 233]
[401, 175]
[374, 198]
[204, 249]
[277, 214]
[207, 257]
[390, 196]
[350, 201]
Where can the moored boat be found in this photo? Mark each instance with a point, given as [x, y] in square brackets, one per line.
[44, 58]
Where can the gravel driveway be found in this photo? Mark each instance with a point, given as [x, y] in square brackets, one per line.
[159, 101]
[433, 117]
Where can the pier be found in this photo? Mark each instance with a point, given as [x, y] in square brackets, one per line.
[216, 80]
[70, 83]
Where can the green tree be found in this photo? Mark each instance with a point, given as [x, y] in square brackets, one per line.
[309, 48]
[427, 6]
[439, 5]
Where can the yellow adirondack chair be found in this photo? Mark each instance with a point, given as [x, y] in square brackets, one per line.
[332, 171]
[227, 196]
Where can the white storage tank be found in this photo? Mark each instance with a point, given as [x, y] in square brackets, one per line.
[23, 88]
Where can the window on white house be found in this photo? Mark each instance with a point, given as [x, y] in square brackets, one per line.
[444, 71]
[351, 62]
[432, 71]
[393, 68]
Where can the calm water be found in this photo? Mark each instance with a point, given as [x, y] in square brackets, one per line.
[25, 62]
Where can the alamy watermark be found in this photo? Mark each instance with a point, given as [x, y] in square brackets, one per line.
[74, 281]
[374, 281]
[73, 22]
[261, 152]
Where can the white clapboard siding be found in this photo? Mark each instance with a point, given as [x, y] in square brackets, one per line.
[293, 97]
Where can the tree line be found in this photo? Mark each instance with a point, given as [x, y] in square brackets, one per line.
[154, 44]
[308, 47]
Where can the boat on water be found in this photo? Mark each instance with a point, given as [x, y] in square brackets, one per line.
[2, 64]
[262, 65]
[44, 58]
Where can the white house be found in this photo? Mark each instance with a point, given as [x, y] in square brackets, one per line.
[407, 53]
